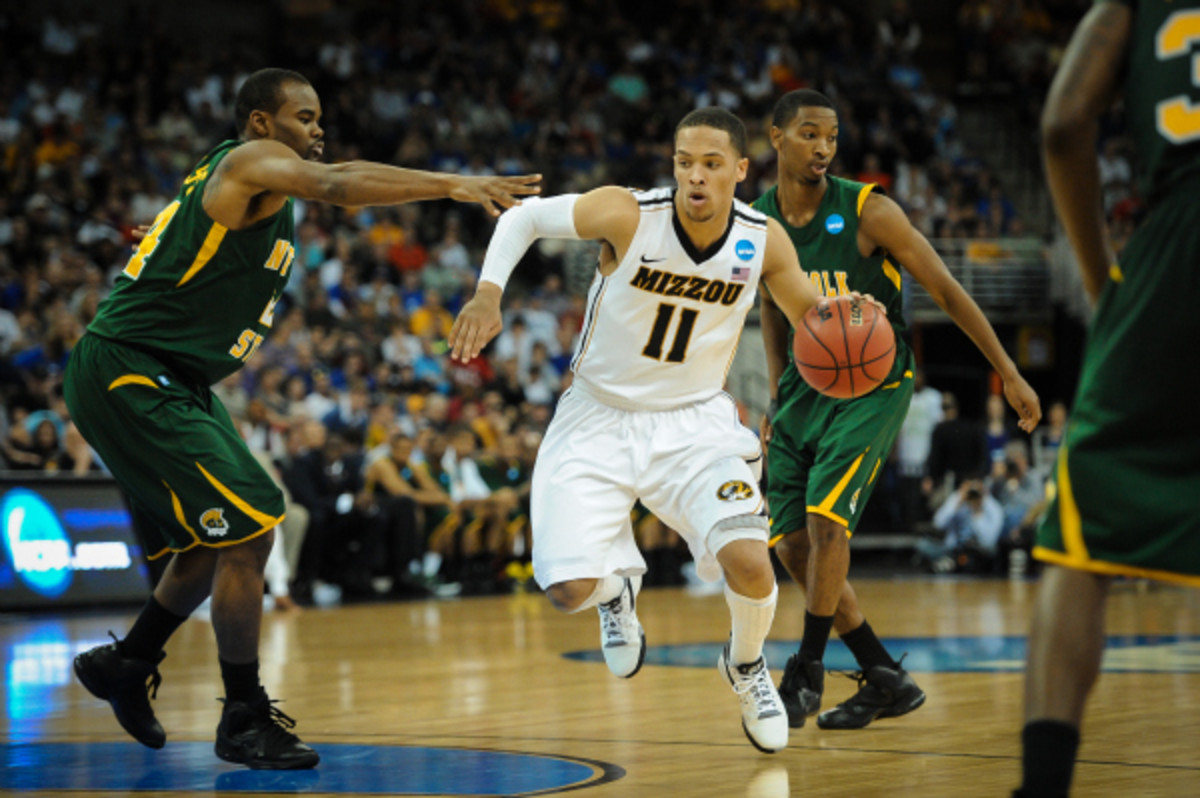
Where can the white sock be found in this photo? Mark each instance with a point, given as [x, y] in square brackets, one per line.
[607, 589]
[751, 623]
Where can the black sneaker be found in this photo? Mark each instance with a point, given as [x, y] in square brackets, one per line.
[882, 693]
[801, 688]
[256, 735]
[128, 685]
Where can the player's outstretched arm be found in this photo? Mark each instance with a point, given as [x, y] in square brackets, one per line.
[608, 213]
[268, 166]
[791, 289]
[884, 222]
[1083, 87]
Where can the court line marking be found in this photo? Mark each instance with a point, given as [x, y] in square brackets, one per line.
[852, 749]
[603, 773]
[510, 739]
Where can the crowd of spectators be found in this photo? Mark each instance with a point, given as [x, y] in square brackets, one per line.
[1010, 50]
[1013, 47]
[98, 129]
[982, 483]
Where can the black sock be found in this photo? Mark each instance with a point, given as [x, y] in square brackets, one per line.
[866, 648]
[150, 632]
[1048, 758]
[816, 635]
[241, 681]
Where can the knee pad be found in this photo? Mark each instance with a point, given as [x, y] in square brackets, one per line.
[756, 467]
[738, 527]
[607, 588]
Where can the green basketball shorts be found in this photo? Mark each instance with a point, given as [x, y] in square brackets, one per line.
[1124, 494]
[825, 454]
[172, 447]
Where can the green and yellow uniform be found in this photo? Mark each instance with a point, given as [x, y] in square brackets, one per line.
[192, 305]
[1125, 485]
[825, 453]
[497, 473]
[438, 521]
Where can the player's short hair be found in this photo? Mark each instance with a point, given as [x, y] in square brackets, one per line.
[787, 105]
[263, 91]
[720, 119]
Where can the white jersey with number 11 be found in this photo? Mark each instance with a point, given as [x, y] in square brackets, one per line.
[661, 330]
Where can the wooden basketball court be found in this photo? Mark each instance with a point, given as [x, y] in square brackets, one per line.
[490, 675]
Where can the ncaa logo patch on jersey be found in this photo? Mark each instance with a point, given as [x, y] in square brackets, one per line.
[835, 223]
[213, 521]
[744, 249]
[734, 491]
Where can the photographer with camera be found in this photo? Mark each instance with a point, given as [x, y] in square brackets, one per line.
[973, 521]
[1021, 491]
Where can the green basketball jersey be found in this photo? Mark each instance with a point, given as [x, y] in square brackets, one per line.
[1162, 100]
[828, 250]
[197, 295]
[499, 473]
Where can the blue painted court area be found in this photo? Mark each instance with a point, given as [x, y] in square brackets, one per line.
[123, 767]
[997, 654]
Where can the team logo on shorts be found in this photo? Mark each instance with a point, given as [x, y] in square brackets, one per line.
[735, 490]
[213, 521]
[854, 501]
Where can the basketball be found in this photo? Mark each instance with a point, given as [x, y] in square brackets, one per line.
[845, 347]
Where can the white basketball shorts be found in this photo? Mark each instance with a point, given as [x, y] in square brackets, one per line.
[693, 467]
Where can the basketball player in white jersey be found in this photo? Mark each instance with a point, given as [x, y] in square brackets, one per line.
[645, 416]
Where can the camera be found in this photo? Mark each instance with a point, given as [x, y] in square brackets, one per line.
[974, 494]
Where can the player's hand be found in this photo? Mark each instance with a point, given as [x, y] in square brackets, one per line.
[870, 298]
[478, 323]
[138, 234]
[1025, 401]
[494, 193]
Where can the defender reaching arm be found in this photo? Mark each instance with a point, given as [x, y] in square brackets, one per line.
[280, 158]
[885, 225]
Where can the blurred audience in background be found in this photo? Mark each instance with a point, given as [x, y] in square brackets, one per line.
[413, 470]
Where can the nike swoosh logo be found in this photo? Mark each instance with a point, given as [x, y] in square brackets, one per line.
[652, 260]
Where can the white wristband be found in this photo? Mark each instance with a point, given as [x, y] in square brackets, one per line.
[520, 226]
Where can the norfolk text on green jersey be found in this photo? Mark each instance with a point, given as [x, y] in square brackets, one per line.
[196, 294]
[828, 250]
[828, 246]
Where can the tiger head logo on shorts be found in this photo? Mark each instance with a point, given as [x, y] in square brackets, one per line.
[213, 521]
[735, 490]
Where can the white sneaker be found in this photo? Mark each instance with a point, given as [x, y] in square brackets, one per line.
[621, 637]
[763, 717]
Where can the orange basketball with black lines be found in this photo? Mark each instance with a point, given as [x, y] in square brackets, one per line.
[845, 347]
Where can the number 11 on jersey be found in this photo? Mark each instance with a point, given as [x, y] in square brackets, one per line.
[658, 334]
